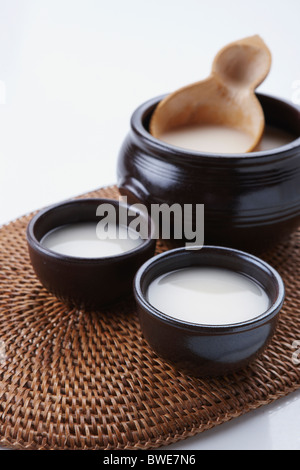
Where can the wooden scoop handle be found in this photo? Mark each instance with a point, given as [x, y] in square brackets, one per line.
[243, 64]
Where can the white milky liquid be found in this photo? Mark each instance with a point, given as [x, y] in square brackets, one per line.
[222, 139]
[274, 138]
[83, 240]
[208, 138]
[207, 296]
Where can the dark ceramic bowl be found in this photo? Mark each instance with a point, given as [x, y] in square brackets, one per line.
[252, 201]
[86, 282]
[208, 350]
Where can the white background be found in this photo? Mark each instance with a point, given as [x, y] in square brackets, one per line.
[73, 73]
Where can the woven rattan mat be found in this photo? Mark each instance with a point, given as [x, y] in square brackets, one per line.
[76, 380]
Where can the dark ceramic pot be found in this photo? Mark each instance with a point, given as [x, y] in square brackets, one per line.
[208, 350]
[88, 283]
[251, 201]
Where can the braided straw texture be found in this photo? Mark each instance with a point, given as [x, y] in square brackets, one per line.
[72, 380]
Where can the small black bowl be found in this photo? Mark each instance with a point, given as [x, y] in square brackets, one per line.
[88, 283]
[208, 350]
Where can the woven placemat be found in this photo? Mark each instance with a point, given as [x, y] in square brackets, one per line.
[77, 380]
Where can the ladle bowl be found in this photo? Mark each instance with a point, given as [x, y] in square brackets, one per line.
[226, 98]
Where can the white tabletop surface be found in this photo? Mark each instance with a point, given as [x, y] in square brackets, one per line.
[71, 74]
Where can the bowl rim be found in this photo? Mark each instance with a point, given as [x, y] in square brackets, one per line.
[36, 245]
[173, 151]
[254, 322]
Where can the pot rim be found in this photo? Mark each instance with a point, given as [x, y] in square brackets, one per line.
[164, 149]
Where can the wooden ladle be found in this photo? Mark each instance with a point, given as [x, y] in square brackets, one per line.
[226, 97]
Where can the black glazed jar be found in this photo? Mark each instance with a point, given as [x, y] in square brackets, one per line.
[251, 201]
